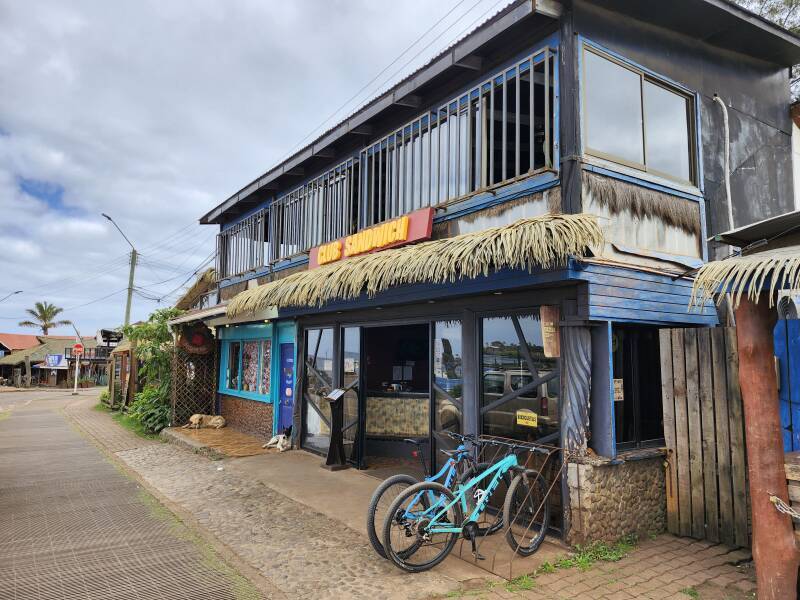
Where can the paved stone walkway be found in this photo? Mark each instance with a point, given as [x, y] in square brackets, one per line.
[302, 552]
[308, 555]
[667, 567]
[73, 526]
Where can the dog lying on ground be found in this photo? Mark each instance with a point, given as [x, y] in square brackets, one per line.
[200, 421]
[282, 442]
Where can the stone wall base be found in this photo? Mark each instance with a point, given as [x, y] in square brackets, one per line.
[248, 416]
[610, 500]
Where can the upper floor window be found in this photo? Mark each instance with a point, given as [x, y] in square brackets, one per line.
[636, 120]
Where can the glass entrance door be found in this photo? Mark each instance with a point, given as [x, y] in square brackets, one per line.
[351, 382]
[319, 381]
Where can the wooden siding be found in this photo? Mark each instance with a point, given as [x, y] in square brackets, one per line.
[621, 294]
[704, 434]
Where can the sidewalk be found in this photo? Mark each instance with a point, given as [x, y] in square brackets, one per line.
[299, 550]
[280, 523]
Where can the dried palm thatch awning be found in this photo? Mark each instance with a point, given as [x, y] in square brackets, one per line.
[769, 271]
[545, 242]
[204, 283]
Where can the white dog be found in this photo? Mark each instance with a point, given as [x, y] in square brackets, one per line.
[282, 441]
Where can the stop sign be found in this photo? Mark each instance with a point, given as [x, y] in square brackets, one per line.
[77, 349]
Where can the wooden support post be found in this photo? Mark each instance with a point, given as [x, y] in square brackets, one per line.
[774, 552]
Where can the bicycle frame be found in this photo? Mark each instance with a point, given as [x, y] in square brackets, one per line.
[449, 467]
[499, 469]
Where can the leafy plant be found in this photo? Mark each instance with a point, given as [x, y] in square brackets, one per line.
[44, 315]
[153, 340]
[151, 409]
[104, 396]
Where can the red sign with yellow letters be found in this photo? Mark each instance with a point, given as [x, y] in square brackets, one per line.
[413, 227]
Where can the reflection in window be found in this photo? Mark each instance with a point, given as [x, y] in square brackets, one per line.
[634, 120]
[613, 109]
[448, 382]
[666, 126]
[518, 378]
[351, 350]
[249, 366]
[232, 378]
[318, 384]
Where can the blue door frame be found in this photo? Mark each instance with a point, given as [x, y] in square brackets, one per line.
[787, 353]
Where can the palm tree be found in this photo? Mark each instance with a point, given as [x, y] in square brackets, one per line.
[44, 314]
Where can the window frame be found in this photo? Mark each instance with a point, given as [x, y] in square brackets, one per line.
[639, 443]
[644, 76]
[243, 337]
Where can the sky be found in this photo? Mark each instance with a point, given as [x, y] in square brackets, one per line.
[154, 112]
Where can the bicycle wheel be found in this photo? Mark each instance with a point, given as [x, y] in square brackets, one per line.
[489, 524]
[382, 498]
[406, 538]
[526, 512]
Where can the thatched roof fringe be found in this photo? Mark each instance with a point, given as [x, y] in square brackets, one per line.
[546, 241]
[205, 281]
[776, 269]
[618, 196]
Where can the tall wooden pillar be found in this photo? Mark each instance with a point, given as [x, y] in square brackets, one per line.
[774, 552]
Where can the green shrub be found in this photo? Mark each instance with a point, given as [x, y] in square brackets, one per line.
[104, 396]
[151, 409]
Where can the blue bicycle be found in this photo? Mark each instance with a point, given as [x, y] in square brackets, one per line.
[425, 520]
[460, 467]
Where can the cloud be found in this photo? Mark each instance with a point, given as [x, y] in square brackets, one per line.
[154, 112]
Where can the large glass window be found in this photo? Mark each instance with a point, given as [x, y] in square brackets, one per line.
[448, 382]
[318, 384]
[351, 371]
[520, 380]
[247, 368]
[634, 119]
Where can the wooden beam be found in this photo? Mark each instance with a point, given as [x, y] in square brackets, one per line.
[774, 551]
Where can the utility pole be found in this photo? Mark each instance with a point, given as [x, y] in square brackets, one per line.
[134, 257]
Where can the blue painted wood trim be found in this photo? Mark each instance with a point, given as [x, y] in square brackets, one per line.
[251, 332]
[664, 189]
[601, 409]
[537, 183]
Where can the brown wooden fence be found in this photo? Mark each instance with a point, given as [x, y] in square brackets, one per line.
[193, 385]
[704, 431]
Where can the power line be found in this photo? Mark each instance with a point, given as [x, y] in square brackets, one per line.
[125, 289]
[386, 68]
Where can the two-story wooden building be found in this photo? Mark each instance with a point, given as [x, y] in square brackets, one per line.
[491, 245]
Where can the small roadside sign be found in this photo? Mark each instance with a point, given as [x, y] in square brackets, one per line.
[77, 349]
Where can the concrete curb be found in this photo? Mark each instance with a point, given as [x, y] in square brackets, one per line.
[174, 436]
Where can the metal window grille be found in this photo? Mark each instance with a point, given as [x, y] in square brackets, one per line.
[496, 132]
[319, 211]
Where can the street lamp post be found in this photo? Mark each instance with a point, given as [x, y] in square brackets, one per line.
[7, 296]
[134, 256]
